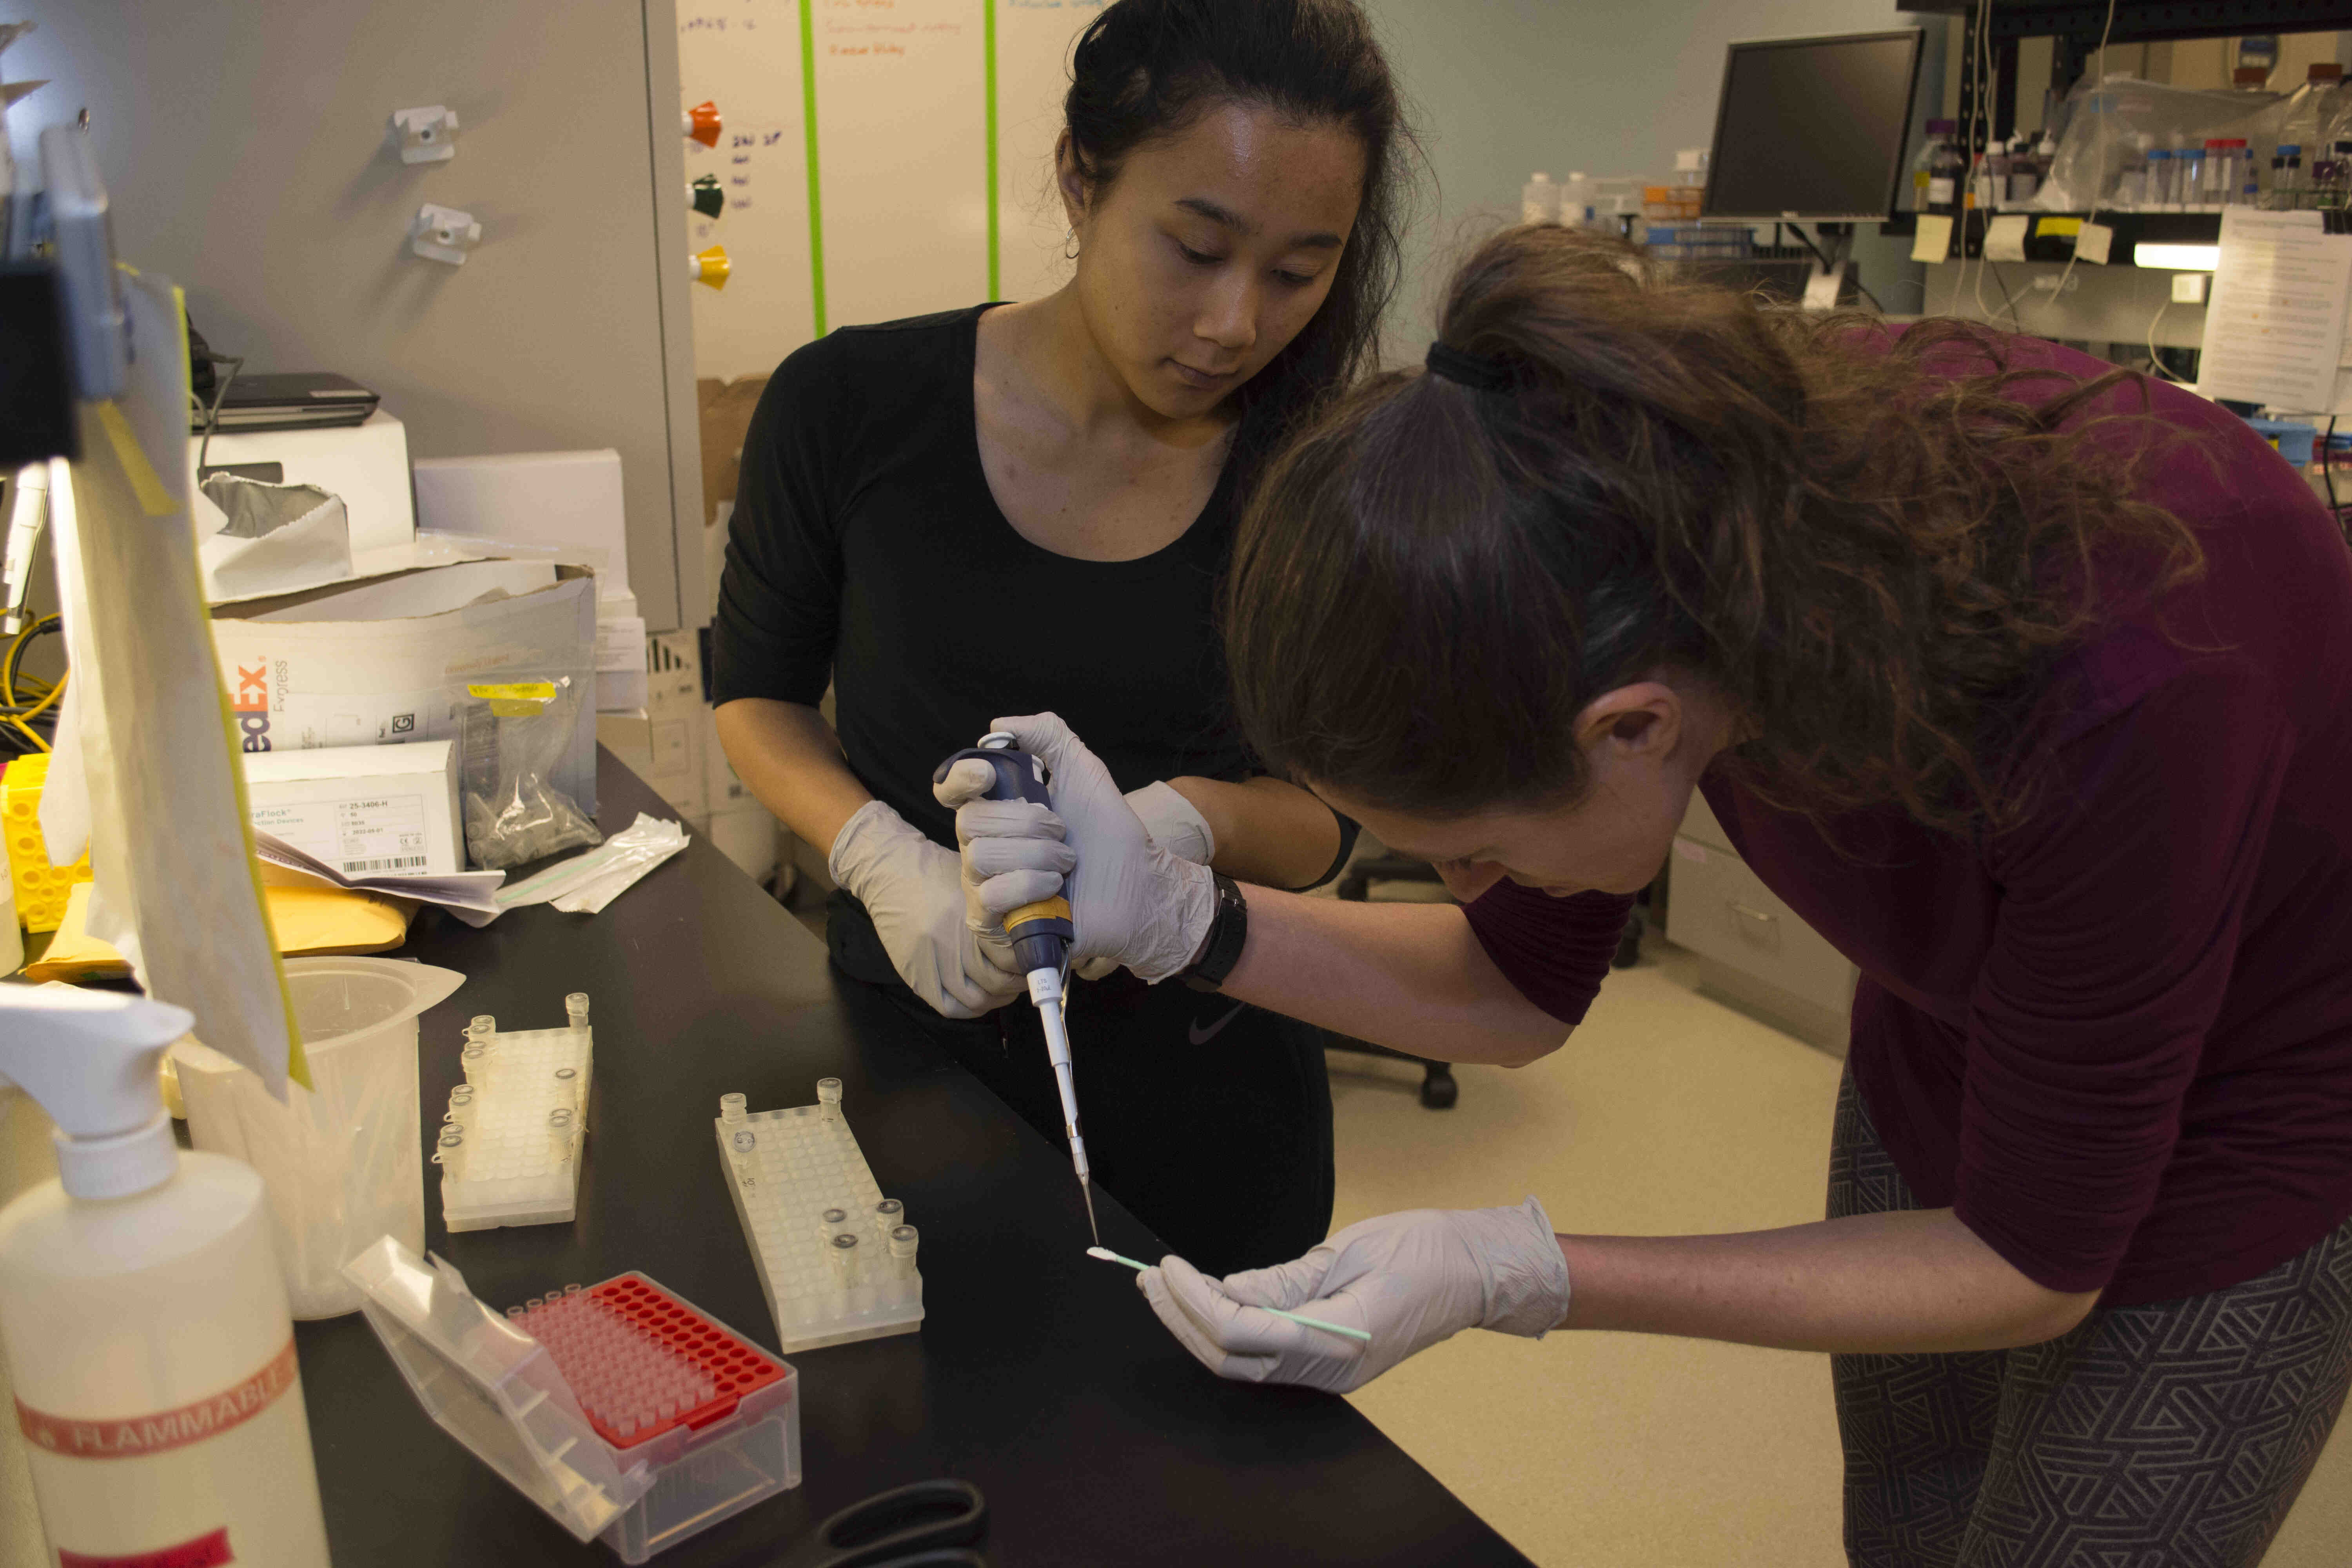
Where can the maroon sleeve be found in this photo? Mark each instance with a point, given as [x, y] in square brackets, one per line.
[2122, 897]
[1556, 952]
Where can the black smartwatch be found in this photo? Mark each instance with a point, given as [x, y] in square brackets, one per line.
[1228, 935]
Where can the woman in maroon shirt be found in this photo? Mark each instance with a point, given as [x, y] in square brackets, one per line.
[2028, 684]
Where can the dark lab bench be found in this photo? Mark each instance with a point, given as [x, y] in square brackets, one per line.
[1038, 1375]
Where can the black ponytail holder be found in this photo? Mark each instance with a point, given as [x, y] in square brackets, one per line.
[1473, 371]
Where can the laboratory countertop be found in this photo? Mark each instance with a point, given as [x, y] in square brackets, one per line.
[1038, 1373]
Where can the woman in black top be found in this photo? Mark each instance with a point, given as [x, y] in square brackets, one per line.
[1020, 508]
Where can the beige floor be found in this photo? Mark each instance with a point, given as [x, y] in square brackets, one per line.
[1669, 1114]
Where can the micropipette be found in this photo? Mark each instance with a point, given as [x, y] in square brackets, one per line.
[1040, 935]
[1107, 1256]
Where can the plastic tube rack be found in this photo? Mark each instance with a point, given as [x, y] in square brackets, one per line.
[509, 1146]
[837, 1258]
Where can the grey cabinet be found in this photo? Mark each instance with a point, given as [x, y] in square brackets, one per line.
[1753, 951]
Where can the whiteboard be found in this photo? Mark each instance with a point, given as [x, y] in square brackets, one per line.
[930, 186]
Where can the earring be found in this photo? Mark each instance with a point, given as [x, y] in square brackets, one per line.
[1070, 247]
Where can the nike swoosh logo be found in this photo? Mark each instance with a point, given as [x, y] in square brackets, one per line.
[1201, 1037]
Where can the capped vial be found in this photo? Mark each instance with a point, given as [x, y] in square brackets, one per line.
[567, 1085]
[902, 1251]
[828, 1099]
[744, 1142]
[832, 1221]
[461, 1105]
[887, 1216]
[730, 1107]
[575, 1008]
[451, 1153]
[847, 1274]
[561, 1125]
[483, 1024]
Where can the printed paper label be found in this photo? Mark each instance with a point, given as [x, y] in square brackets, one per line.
[136, 1436]
[357, 836]
[204, 1551]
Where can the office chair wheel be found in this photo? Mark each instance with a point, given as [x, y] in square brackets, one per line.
[1438, 1090]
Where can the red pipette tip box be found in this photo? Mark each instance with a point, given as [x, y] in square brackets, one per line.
[641, 1361]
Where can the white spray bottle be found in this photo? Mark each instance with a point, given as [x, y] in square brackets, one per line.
[142, 1312]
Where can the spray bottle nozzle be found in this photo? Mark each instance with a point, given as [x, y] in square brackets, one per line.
[90, 1058]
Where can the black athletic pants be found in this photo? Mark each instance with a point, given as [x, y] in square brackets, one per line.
[1210, 1119]
[2174, 1435]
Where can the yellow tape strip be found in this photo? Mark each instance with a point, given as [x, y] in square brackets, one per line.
[153, 498]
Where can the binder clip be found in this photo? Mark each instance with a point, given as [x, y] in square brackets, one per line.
[702, 124]
[708, 267]
[707, 197]
[426, 135]
[443, 234]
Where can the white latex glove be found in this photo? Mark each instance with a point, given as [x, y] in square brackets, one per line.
[1174, 823]
[1412, 1279]
[914, 890]
[1133, 901]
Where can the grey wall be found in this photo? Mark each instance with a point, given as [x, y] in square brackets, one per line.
[1505, 87]
[243, 144]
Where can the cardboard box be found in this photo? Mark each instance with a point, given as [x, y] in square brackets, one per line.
[387, 662]
[532, 497]
[365, 464]
[364, 810]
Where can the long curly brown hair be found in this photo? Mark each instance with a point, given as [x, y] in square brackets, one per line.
[1872, 544]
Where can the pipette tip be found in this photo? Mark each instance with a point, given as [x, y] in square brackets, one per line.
[1087, 1191]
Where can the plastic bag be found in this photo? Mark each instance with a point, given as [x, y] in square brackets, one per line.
[2106, 119]
[514, 735]
[586, 883]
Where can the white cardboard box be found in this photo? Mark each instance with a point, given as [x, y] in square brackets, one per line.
[366, 464]
[306, 672]
[364, 810]
[534, 498]
[663, 744]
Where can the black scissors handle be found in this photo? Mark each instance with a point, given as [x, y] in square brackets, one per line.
[915, 1526]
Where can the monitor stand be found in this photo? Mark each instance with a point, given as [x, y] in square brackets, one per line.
[1828, 280]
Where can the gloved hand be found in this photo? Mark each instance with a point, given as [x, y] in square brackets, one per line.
[914, 890]
[1412, 1279]
[1133, 901]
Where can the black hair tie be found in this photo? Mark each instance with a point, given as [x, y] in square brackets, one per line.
[1473, 371]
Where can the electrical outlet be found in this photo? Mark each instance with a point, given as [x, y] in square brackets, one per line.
[2055, 282]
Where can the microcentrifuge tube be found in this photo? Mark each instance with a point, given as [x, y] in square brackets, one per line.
[828, 1099]
[567, 1085]
[902, 1251]
[485, 1025]
[846, 1274]
[745, 1141]
[730, 1106]
[888, 1214]
[832, 1220]
[461, 1105]
[575, 1008]
[559, 1129]
[451, 1153]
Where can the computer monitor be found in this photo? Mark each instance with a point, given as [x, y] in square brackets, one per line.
[1814, 129]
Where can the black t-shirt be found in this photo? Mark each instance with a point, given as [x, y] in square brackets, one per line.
[867, 547]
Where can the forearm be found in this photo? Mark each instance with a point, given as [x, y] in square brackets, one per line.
[1409, 976]
[786, 754]
[1267, 831]
[1892, 1283]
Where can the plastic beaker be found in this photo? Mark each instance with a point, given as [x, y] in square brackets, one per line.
[343, 1163]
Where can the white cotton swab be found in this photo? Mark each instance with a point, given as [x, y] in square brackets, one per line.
[1107, 1256]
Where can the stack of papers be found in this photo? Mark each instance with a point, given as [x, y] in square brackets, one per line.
[471, 896]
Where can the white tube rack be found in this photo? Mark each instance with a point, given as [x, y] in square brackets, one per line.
[836, 1260]
[509, 1146]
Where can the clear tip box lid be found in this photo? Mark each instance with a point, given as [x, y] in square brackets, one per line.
[489, 1383]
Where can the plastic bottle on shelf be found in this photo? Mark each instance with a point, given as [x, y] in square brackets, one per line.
[2331, 178]
[2312, 108]
[2236, 179]
[1945, 170]
[1576, 200]
[1939, 136]
[1988, 176]
[2025, 172]
[1540, 199]
[2157, 192]
[143, 1314]
[2205, 176]
[2285, 193]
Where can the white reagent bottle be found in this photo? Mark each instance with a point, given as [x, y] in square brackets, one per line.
[143, 1313]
